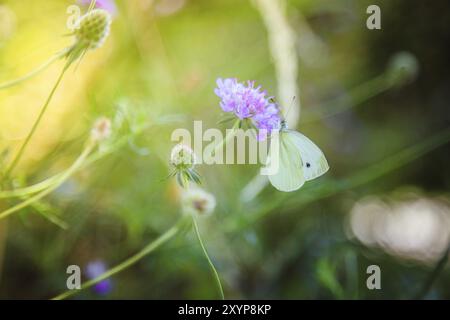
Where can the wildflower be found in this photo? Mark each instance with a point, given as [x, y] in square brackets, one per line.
[183, 159]
[91, 32]
[248, 103]
[101, 130]
[108, 5]
[197, 202]
[95, 269]
[93, 28]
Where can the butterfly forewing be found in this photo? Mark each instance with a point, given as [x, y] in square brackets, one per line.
[313, 160]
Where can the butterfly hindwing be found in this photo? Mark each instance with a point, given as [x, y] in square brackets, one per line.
[289, 176]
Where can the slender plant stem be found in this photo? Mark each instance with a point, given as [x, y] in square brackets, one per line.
[169, 234]
[35, 188]
[356, 97]
[213, 269]
[52, 218]
[64, 176]
[228, 137]
[35, 125]
[25, 191]
[33, 73]
[92, 5]
[434, 275]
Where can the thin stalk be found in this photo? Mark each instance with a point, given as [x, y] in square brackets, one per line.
[224, 141]
[122, 141]
[92, 5]
[169, 234]
[357, 96]
[64, 176]
[320, 190]
[44, 210]
[35, 125]
[35, 188]
[33, 73]
[205, 252]
[25, 191]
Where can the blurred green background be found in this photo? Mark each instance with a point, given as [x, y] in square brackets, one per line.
[383, 129]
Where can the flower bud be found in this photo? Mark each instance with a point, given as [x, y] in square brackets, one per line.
[182, 157]
[93, 28]
[198, 202]
[101, 130]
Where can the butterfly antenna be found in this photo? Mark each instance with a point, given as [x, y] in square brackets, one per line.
[285, 115]
[290, 107]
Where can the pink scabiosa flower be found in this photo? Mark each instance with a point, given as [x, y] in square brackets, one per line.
[108, 5]
[95, 269]
[248, 103]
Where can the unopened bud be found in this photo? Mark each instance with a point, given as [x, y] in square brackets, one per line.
[182, 157]
[101, 130]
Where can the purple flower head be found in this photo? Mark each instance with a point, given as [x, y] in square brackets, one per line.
[248, 102]
[95, 269]
[108, 5]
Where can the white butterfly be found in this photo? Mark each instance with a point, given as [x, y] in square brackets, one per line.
[299, 160]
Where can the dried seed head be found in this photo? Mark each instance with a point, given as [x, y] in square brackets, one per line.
[101, 130]
[93, 28]
[182, 157]
[198, 202]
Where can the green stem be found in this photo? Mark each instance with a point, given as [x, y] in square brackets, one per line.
[33, 73]
[169, 234]
[64, 176]
[224, 141]
[25, 191]
[92, 5]
[22, 192]
[35, 125]
[357, 96]
[213, 269]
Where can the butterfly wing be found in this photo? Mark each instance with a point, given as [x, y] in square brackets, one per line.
[313, 160]
[289, 176]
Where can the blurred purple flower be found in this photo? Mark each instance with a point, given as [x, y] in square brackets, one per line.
[95, 269]
[108, 5]
[248, 102]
